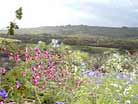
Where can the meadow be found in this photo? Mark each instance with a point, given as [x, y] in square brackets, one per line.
[46, 73]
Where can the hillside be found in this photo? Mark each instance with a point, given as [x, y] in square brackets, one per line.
[84, 30]
[109, 37]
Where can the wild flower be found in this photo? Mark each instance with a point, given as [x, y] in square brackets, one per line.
[36, 57]
[123, 76]
[27, 56]
[3, 94]
[36, 78]
[46, 54]
[35, 81]
[2, 70]
[50, 73]
[24, 74]
[59, 103]
[92, 74]
[16, 58]
[127, 90]
[99, 82]
[78, 84]
[116, 85]
[34, 69]
[18, 85]
[127, 102]
[39, 66]
[1, 102]
[37, 51]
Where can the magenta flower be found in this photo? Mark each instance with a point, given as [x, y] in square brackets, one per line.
[37, 51]
[18, 85]
[17, 58]
[1, 102]
[35, 81]
[39, 66]
[36, 76]
[2, 70]
[34, 68]
[46, 54]
[27, 56]
[50, 73]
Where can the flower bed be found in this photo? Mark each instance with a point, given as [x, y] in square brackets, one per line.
[42, 74]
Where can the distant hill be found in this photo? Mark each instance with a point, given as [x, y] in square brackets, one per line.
[83, 30]
[81, 35]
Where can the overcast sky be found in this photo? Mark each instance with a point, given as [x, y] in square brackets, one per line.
[62, 12]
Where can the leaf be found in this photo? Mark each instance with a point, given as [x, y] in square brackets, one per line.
[12, 27]
[19, 13]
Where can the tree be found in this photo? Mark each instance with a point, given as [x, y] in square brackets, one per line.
[12, 26]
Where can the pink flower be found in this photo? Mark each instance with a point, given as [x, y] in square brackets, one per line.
[18, 84]
[39, 66]
[37, 56]
[46, 54]
[50, 73]
[24, 74]
[35, 81]
[34, 68]
[37, 51]
[27, 57]
[1, 102]
[36, 76]
[2, 70]
[16, 58]
[10, 54]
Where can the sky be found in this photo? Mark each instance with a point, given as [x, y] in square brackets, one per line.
[37, 13]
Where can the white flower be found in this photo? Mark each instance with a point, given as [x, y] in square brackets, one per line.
[126, 92]
[127, 102]
[115, 85]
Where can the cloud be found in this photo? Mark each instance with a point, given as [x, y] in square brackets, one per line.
[109, 13]
[62, 12]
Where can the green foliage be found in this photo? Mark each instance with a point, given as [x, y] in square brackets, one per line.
[121, 63]
[13, 26]
[85, 31]
[19, 13]
[69, 84]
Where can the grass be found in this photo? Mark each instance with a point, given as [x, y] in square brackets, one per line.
[79, 40]
[9, 40]
[91, 49]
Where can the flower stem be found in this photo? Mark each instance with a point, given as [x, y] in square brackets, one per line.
[36, 94]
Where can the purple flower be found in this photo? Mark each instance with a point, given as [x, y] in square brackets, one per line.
[3, 94]
[93, 74]
[18, 84]
[60, 103]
